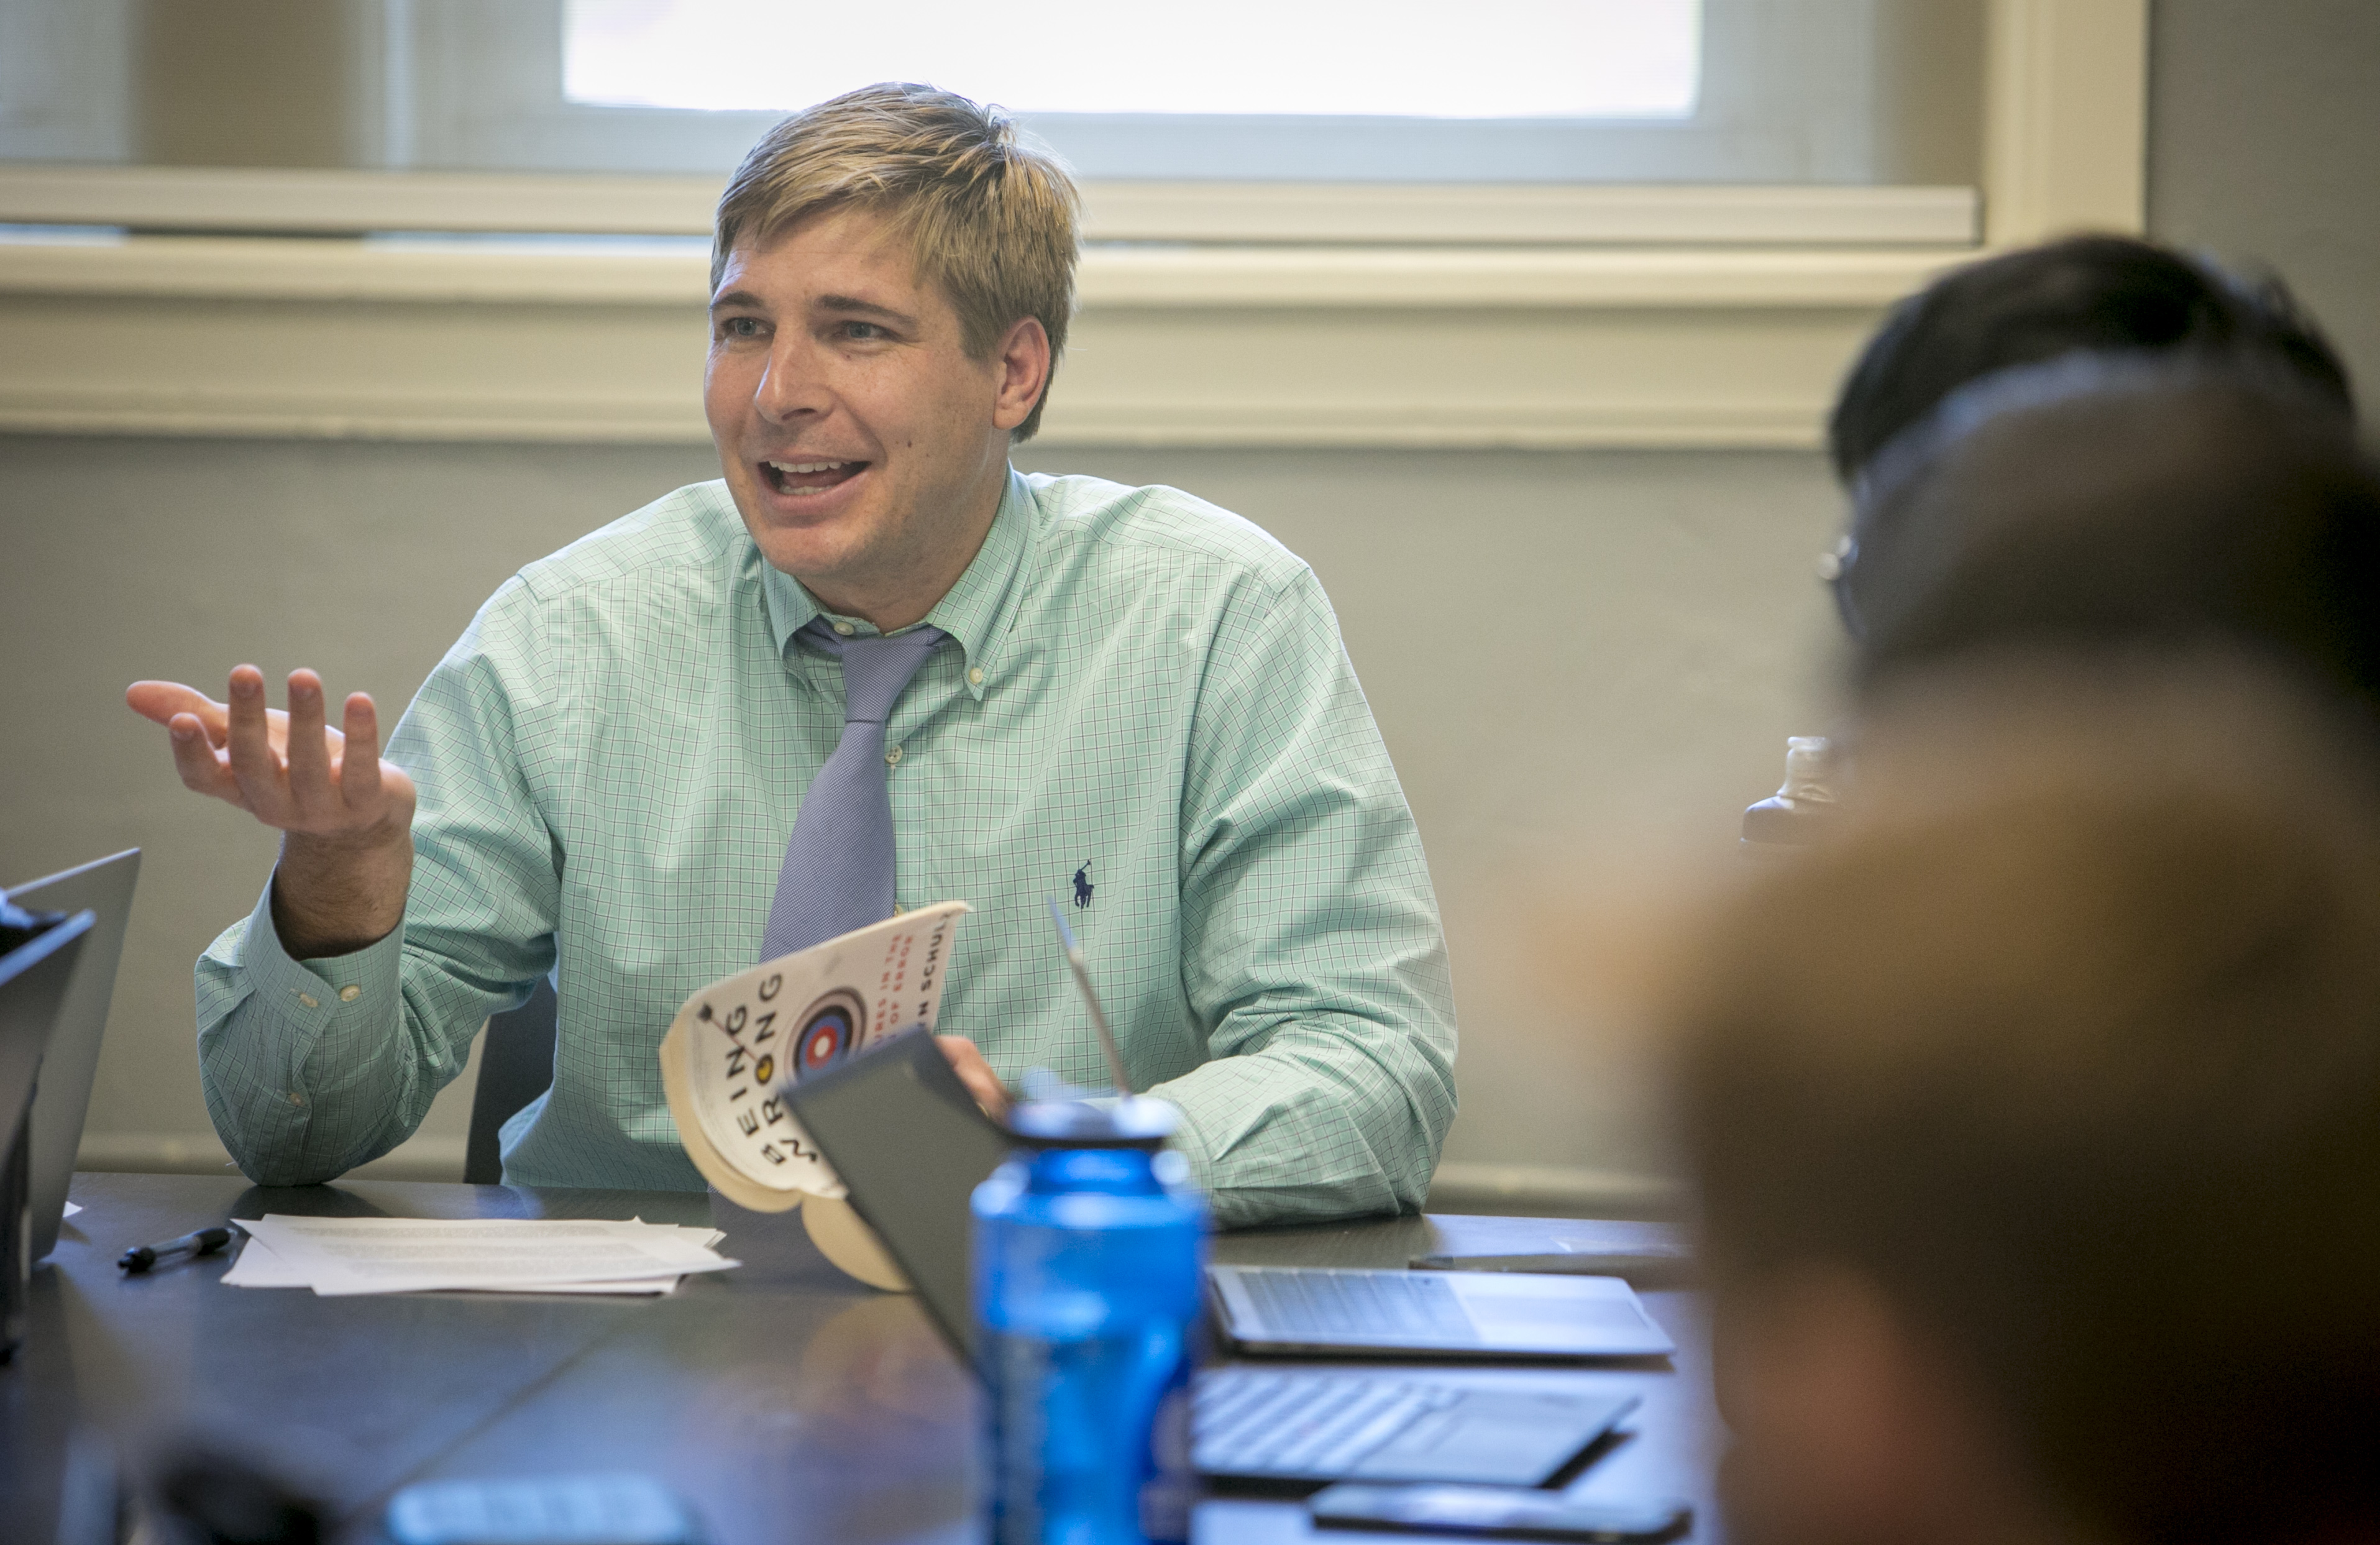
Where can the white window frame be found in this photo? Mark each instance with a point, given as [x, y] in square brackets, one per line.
[1383, 316]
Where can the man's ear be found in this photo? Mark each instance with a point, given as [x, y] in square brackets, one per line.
[1021, 366]
[1850, 1424]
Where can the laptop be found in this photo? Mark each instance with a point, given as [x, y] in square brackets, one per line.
[1432, 1314]
[36, 963]
[911, 1145]
[104, 888]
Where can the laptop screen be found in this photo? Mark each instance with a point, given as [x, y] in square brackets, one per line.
[32, 983]
[72, 1061]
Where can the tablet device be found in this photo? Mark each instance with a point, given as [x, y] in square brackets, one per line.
[911, 1145]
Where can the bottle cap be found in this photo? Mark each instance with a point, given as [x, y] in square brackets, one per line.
[1134, 1121]
[1809, 767]
[1796, 814]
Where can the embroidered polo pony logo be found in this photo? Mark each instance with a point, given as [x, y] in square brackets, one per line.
[1083, 885]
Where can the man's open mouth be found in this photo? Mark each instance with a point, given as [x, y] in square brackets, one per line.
[810, 477]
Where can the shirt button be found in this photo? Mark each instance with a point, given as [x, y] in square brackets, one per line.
[843, 628]
[296, 1098]
[349, 994]
[898, 910]
[975, 677]
[892, 757]
[309, 1000]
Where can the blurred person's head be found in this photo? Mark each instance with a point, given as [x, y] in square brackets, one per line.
[892, 278]
[2136, 505]
[2096, 293]
[2036, 1121]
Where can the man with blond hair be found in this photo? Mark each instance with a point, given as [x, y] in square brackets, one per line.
[872, 667]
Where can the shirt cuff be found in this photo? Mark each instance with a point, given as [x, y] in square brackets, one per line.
[315, 993]
[1186, 1141]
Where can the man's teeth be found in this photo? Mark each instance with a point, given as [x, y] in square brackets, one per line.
[791, 467]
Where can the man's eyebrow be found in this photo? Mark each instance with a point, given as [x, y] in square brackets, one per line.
[844, 304]
[852, 304]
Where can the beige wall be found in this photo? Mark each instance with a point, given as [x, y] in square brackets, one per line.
[1571, 654]
[2264, 148]
[127, 558]
[1566, 653]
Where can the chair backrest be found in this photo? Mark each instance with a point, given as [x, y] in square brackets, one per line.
[515, 1066]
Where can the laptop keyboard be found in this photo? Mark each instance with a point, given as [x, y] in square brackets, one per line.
[1251, 1422]
[1299, 1304]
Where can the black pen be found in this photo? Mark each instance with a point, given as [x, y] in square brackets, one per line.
[198, 1242]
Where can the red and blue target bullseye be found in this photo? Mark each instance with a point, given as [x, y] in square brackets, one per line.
[826, 1038]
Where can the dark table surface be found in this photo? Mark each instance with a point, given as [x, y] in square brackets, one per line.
[786, 1401]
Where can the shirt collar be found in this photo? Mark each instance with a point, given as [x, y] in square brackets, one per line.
[977, 611]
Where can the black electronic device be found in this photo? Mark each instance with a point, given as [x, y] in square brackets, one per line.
[911, 1145]
[1497, 1513]
[1647, 1256]
[1344, 1312]
[41, 952]
[104, 886]
[1645, 1270]
[546, 1510]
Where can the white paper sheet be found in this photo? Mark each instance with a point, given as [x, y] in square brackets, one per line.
[344, 1255]
[73, 1208]
[259, 1267]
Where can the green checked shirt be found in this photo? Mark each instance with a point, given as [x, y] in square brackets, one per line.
[1144, 709]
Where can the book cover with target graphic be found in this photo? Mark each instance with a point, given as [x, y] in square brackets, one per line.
[740, 1042]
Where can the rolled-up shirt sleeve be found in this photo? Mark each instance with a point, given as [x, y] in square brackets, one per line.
[1312, 950]
[310, 1067]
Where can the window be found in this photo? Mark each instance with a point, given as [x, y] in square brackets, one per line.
[1730, 92]
[1242, 58]
[1858, 92]
[1692, 280]
[1229, 88]
[63, 80]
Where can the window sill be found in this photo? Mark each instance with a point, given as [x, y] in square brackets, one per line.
[348, 203]
[1175, 345]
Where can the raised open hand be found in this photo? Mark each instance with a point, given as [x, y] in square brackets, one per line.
[346, 815]
[290, 770]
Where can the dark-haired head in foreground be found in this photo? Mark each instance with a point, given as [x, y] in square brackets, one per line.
[2129, 504]
[2098, 293]
[2081, 297]
[2036, 1117]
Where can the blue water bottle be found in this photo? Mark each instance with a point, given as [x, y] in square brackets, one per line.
[1089, 1247]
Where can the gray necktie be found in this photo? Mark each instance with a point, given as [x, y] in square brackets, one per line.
[838, 869]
